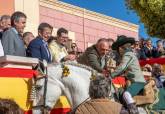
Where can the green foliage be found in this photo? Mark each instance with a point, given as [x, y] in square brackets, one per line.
[152, 14]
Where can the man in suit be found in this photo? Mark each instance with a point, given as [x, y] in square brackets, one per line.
[12, 39]
[148, 49]
[38, 47]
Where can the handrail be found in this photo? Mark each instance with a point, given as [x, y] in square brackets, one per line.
[152, 61]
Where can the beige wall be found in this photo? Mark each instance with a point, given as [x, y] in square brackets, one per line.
[6, 7]
[31, 9]
[70, 34]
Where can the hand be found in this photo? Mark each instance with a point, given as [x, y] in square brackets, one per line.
[105, 73]
[70, 57]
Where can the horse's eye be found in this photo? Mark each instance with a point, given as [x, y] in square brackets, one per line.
[38, 87]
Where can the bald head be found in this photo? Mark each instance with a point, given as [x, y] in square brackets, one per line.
[102, 46]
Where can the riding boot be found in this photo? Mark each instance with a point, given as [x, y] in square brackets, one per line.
[130, 103]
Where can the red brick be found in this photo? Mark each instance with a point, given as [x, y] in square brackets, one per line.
[79, 37]
[87, 38]
[46, 19]
[93, 39]
[80, 20]
[59, 23]
[133, 34]
[119, 30]
[90, 31]
[108, 28]
[54, 14]
[76, 28]
[113, 35]
[96, 25]
[70, 18]
[87, 22]
[103, 34]
[125, 32]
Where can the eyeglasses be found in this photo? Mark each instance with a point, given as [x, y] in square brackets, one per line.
[64, 37]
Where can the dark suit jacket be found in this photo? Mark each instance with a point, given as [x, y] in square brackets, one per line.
[12, 43]
[1, 35]
[157, 53]
[148, 53]
[37, 49]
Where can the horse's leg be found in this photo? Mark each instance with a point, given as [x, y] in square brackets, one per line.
[68, 96]
[52, 95]
[38, 101]
[54, 92]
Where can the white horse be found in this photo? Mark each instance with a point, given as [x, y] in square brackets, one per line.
[74, 84]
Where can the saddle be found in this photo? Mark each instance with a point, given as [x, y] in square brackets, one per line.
[148, 95]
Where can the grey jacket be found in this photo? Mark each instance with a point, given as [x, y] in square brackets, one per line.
[130, 65]
[12, 43]
[91, 58]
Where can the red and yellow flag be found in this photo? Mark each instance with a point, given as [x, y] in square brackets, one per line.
[16, 84]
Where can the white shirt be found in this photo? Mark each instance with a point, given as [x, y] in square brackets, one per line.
[1, 49]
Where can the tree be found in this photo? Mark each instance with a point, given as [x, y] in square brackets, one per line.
[152, 14]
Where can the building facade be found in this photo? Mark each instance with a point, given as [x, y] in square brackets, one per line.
[85, 27]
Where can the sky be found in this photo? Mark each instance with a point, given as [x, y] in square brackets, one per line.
[113, 8]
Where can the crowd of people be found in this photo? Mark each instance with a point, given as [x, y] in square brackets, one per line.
[125, 52]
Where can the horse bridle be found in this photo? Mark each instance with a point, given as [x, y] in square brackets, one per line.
[45, 77]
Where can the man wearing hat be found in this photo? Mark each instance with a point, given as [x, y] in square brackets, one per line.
[129, 67]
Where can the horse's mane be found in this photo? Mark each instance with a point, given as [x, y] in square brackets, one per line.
[70, 84]
[76, 65]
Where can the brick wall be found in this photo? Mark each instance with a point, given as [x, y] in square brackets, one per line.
[86, 31]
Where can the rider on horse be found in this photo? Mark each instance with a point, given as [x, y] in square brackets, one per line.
[130, 67]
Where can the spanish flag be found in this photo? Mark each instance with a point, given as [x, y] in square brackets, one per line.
[16, 85]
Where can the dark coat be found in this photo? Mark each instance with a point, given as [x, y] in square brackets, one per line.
[37, 49]
[99, 106]
[148, 53]
[91, 58]
[1, 35]
[157, 53]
